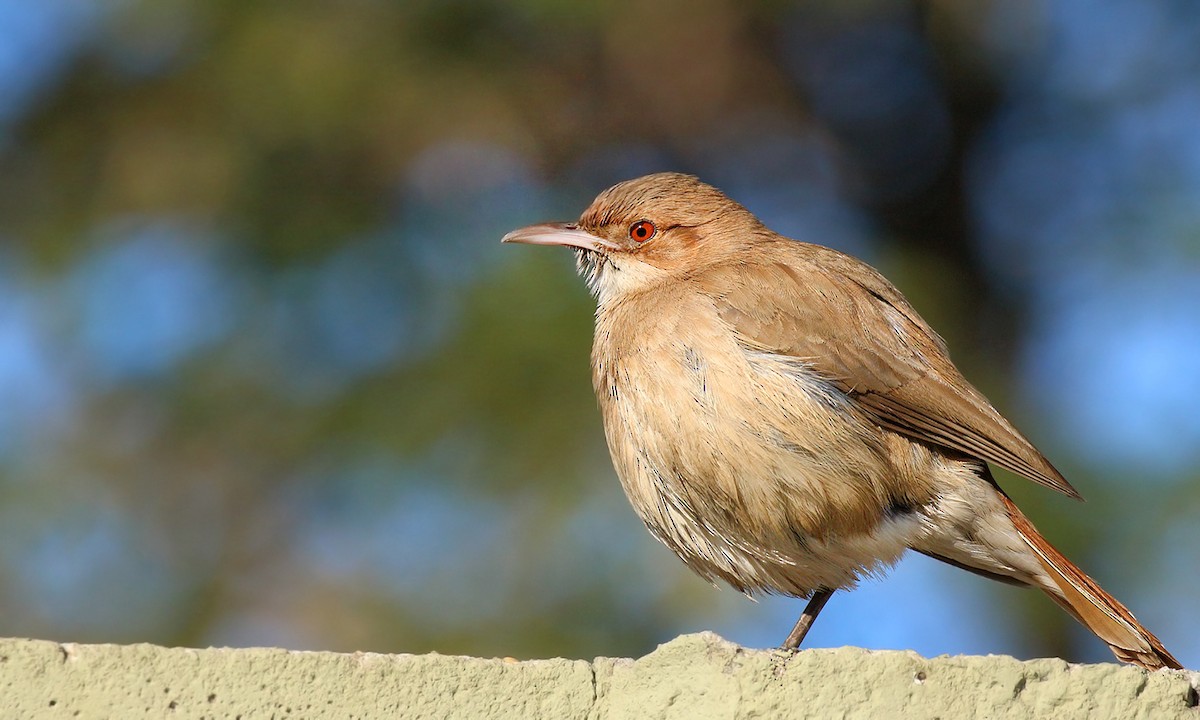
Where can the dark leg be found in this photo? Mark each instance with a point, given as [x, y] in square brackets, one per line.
[811, 610]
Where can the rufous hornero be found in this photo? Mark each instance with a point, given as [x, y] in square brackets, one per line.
[782, 418]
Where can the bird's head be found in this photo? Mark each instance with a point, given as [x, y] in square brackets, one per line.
[642, 231]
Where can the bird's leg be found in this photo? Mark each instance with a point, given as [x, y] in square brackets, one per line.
[811, 610]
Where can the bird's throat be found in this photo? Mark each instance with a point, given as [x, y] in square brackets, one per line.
[590, 265]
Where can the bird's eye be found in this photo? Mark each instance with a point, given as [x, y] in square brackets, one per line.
[642, 230]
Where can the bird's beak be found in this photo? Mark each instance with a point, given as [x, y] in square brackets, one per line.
[567, 234]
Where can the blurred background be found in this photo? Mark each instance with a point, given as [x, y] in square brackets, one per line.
[267, 376]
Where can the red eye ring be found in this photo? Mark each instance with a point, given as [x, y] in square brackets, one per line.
[642, 230]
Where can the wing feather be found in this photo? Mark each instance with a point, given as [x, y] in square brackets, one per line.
[852, 326]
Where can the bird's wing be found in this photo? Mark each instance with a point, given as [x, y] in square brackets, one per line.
[855, 329]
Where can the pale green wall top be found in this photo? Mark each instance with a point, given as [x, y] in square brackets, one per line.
[694, 676]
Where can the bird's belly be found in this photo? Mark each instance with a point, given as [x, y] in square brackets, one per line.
[752, 469]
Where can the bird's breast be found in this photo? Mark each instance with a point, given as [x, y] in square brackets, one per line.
[741, 460]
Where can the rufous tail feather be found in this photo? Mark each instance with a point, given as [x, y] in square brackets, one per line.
[1099, 612]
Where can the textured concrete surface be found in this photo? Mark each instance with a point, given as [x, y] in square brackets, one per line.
[694, 676]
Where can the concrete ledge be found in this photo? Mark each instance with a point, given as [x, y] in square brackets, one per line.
[694, 676]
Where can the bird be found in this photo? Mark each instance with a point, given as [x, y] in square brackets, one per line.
[781, 418]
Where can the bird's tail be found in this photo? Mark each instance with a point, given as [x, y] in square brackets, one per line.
[1099, 612]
